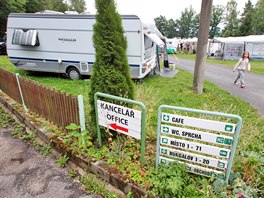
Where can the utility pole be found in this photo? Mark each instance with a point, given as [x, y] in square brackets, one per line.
[205, 19]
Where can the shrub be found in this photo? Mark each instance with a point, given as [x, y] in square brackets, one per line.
[111, 72]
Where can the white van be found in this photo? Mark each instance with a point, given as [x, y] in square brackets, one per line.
[63, 43]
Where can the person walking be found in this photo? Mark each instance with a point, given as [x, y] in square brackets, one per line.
[241, 66]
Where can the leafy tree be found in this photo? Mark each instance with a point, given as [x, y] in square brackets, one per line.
[258, 17]
[216, 19]
[77, 5]
[161, 24]
[171, 29]
[246, 25]
[187, 24]
[166, 27]
[33, 6]
[6, 7]
[111, 73]
[195, 26]
[56, 5]
[231, 21]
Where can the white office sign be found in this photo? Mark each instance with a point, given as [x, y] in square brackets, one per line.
[197, 135]
[199, 123]
[191, 157]
[192, 168]
[121, 119]
[193, 146]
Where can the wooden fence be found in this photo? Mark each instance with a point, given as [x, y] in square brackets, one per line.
[57, 107]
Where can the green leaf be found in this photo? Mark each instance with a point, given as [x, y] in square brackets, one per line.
[73, 127]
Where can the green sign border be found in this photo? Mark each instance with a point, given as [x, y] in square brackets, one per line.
[143, 119]
[232, 116]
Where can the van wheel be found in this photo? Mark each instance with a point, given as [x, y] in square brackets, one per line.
[74, 74]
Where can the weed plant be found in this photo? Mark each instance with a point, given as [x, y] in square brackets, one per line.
[91, 184]
[77, 139]
[62, 160]
[6, 120]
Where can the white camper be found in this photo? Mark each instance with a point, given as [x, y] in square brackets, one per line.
[64, 44]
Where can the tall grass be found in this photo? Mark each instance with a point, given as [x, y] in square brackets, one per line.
[178, 91]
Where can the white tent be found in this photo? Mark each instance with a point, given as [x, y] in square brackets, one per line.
[229, 48]
[254, 44]
[232, 48]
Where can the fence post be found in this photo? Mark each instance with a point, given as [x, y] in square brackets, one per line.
[19, 87]
[81, 114]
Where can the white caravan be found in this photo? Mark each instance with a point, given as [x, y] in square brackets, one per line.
[64, 44]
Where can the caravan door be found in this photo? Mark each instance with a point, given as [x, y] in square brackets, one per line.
[150, 62]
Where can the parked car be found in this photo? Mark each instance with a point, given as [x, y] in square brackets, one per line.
[2, 47]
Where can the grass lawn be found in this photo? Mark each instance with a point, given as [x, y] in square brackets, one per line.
[177, 91]
[257, 66]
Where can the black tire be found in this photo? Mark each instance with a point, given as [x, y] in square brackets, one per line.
[74, 74]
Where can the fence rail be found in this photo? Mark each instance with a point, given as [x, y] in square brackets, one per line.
[57, 107]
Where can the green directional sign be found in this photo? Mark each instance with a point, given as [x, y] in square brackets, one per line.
[165, 129]
[228, 128]
[164, 141]
[220, 140]
[228, 141]
[166, 117]
[223, 153]
[209, 144]
[164, 151]
[221, 165]
[163, 161]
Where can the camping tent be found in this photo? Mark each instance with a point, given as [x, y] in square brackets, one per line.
[254, 44]
[229, 48]
[232, 48]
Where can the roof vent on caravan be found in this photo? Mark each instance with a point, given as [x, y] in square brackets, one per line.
[85, 13]
[71, 12]
[48, 12]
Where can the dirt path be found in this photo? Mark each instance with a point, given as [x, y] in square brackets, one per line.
[24, 173]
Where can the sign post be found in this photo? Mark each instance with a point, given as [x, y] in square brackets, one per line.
[122, 119]
[210, 145]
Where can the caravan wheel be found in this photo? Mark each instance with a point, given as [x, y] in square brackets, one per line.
[74, 74]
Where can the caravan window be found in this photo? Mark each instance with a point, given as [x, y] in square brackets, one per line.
[25, 37]
[147, 42]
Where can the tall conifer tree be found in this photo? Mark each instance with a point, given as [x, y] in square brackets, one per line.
[111, 73]
[246, 25]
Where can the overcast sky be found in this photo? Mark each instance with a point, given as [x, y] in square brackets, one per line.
[147, 10]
